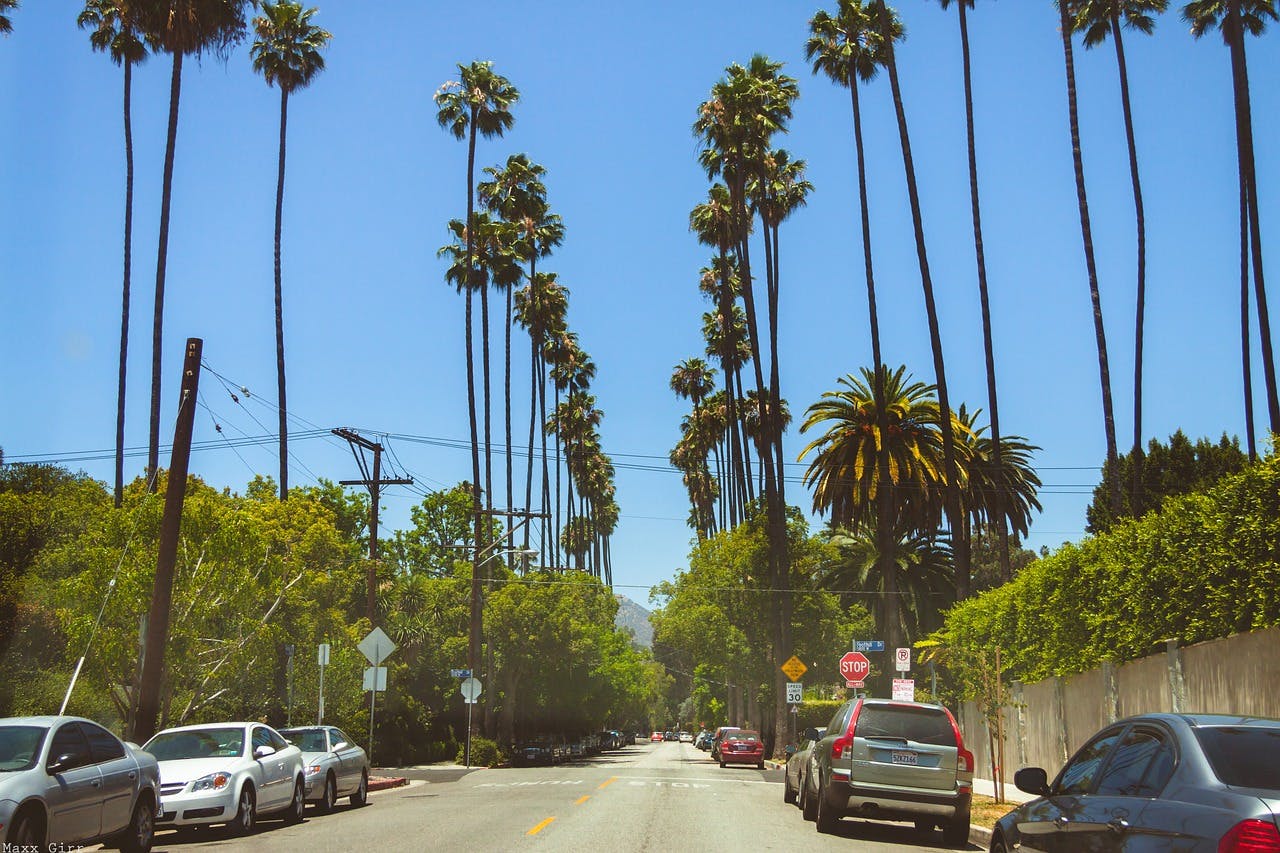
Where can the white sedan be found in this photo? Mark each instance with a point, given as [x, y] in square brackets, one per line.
[336, 766]
[227, 773]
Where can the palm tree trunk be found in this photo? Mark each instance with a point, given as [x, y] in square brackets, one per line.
[1244, 318]
[548, 542]
[1140, 217]
[866, 218]
[484, 352]
[1002, 526]
[507, 413]
[1104, 368]
[555, 399]
[284, 417]
[533, 419]
[749, 482]
[162, 256]
[952, 497]
[128, 266]
[476, 620]
[1244, 143]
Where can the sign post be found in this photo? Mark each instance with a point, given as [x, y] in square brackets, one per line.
[377, 647]
[470, 689]
[323, 659]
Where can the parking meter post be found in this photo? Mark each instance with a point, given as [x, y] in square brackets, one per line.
[373, 698]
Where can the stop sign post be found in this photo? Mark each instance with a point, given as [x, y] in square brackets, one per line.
[855, 667]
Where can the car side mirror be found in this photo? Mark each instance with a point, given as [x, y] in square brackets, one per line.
[66, 761]
[342, 744]
[1032, 780]
[263, 751]
[789, 749]
[811, 734]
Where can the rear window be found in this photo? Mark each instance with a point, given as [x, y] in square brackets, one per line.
[742, 736]
[922, 725]
[1243, 756]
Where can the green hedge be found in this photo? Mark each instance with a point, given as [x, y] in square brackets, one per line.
[1206, 565]
[816, 713]
[484, 753]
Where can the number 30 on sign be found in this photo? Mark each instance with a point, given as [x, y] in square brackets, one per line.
[795, 693]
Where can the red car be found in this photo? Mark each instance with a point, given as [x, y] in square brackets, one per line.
[742, 747]
[656, 737]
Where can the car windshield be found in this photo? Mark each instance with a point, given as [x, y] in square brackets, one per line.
[20, 747]
[922, 725]
[1243, 756]
[197, 743]
[307, 740]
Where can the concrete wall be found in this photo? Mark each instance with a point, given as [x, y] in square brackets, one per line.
[1049, 720]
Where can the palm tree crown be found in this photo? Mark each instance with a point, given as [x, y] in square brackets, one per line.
[1205, 15]
[850, 41]
[288, 50]
[481, 97]
[6, 26]
[110, 33]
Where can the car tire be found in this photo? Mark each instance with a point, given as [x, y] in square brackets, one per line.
[297, 804]
[722, 764]
[956, 832]
[329, 797]
[998, 845]
[246, 818]
[824, 817]
[760, 766]
[27, 831]
[808, 808]
[788, 795]
[924, 826]
[361, 794]
[140, 834]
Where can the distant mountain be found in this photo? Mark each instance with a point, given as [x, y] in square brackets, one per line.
[635, 619]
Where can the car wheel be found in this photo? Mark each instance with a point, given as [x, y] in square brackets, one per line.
[361, 795]
[246, 814]
[788, 794]
[329, 799]
[294, 815]
[760, 766]
[26, 832]
[140, 834]
[956, 832]
[998, 845]
[808, 807]
[722, 763]
[924, 826]
[825, 816]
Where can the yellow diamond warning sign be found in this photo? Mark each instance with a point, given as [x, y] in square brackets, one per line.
[794, 668]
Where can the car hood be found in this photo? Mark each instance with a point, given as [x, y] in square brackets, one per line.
[310, 758]
[19, 784]
[186, 769]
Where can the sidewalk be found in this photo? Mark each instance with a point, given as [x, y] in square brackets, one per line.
[1011, 794]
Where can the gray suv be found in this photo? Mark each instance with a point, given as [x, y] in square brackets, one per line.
[884, 760]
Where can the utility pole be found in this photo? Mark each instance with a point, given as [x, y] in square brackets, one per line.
[157, 636]
[359, 444]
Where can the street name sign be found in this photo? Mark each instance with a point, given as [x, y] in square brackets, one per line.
[459, 673]
[868, 645]
[795, 693]
[794, 668]
[855, 667]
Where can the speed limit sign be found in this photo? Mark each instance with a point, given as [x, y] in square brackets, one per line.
[902, 659]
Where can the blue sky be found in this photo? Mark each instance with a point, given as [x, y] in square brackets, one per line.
[609, 91]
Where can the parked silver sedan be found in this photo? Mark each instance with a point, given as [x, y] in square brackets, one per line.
[335, 765]
[227, 773]
[67, 781]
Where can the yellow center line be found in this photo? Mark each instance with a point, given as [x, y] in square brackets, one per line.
[607, 782]
[582, 799]
[541, 826]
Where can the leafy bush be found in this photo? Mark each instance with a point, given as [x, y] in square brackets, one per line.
[484, 753]
[816, 713]
[1206, 565]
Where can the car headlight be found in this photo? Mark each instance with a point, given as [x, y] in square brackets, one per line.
[212, 782]
[314, 769]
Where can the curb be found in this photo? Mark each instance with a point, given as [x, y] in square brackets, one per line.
[980, 836]
[381, 783]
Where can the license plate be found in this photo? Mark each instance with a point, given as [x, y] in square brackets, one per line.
[910, 758]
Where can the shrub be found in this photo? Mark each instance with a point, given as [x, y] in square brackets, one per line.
[484, 753]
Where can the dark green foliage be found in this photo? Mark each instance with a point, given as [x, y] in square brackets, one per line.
[1205, 566]
[1176, 468]
[985, 558]
[816, 713]
[484, 753]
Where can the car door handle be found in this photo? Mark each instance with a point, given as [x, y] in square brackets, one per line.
[1118, 824]
[1061, 822]
[133, 774]
[97, 783]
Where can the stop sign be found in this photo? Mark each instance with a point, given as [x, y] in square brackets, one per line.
[854, 666]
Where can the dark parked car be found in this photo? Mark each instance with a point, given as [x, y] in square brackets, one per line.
[798, 759]
[1185, 782]
[884, 760]
[540, 749]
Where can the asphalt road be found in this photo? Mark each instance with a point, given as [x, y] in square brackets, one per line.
[648, 797]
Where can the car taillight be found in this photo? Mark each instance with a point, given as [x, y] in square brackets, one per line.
[964, 760]
[1251, 836]
[839, 745]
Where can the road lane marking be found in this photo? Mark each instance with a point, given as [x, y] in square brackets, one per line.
[582, 799]
[705, 779]
[541, 826]
[607, 782]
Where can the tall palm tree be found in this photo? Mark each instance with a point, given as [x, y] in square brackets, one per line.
[849, 49]
[1066, 25]
[287, 54]
[885, 21]
[901, 419]
[1099, 19]
[980, 253]
[1235, 19]
[6, 26]
[478, 103]
[110, 32]
[179, 28]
